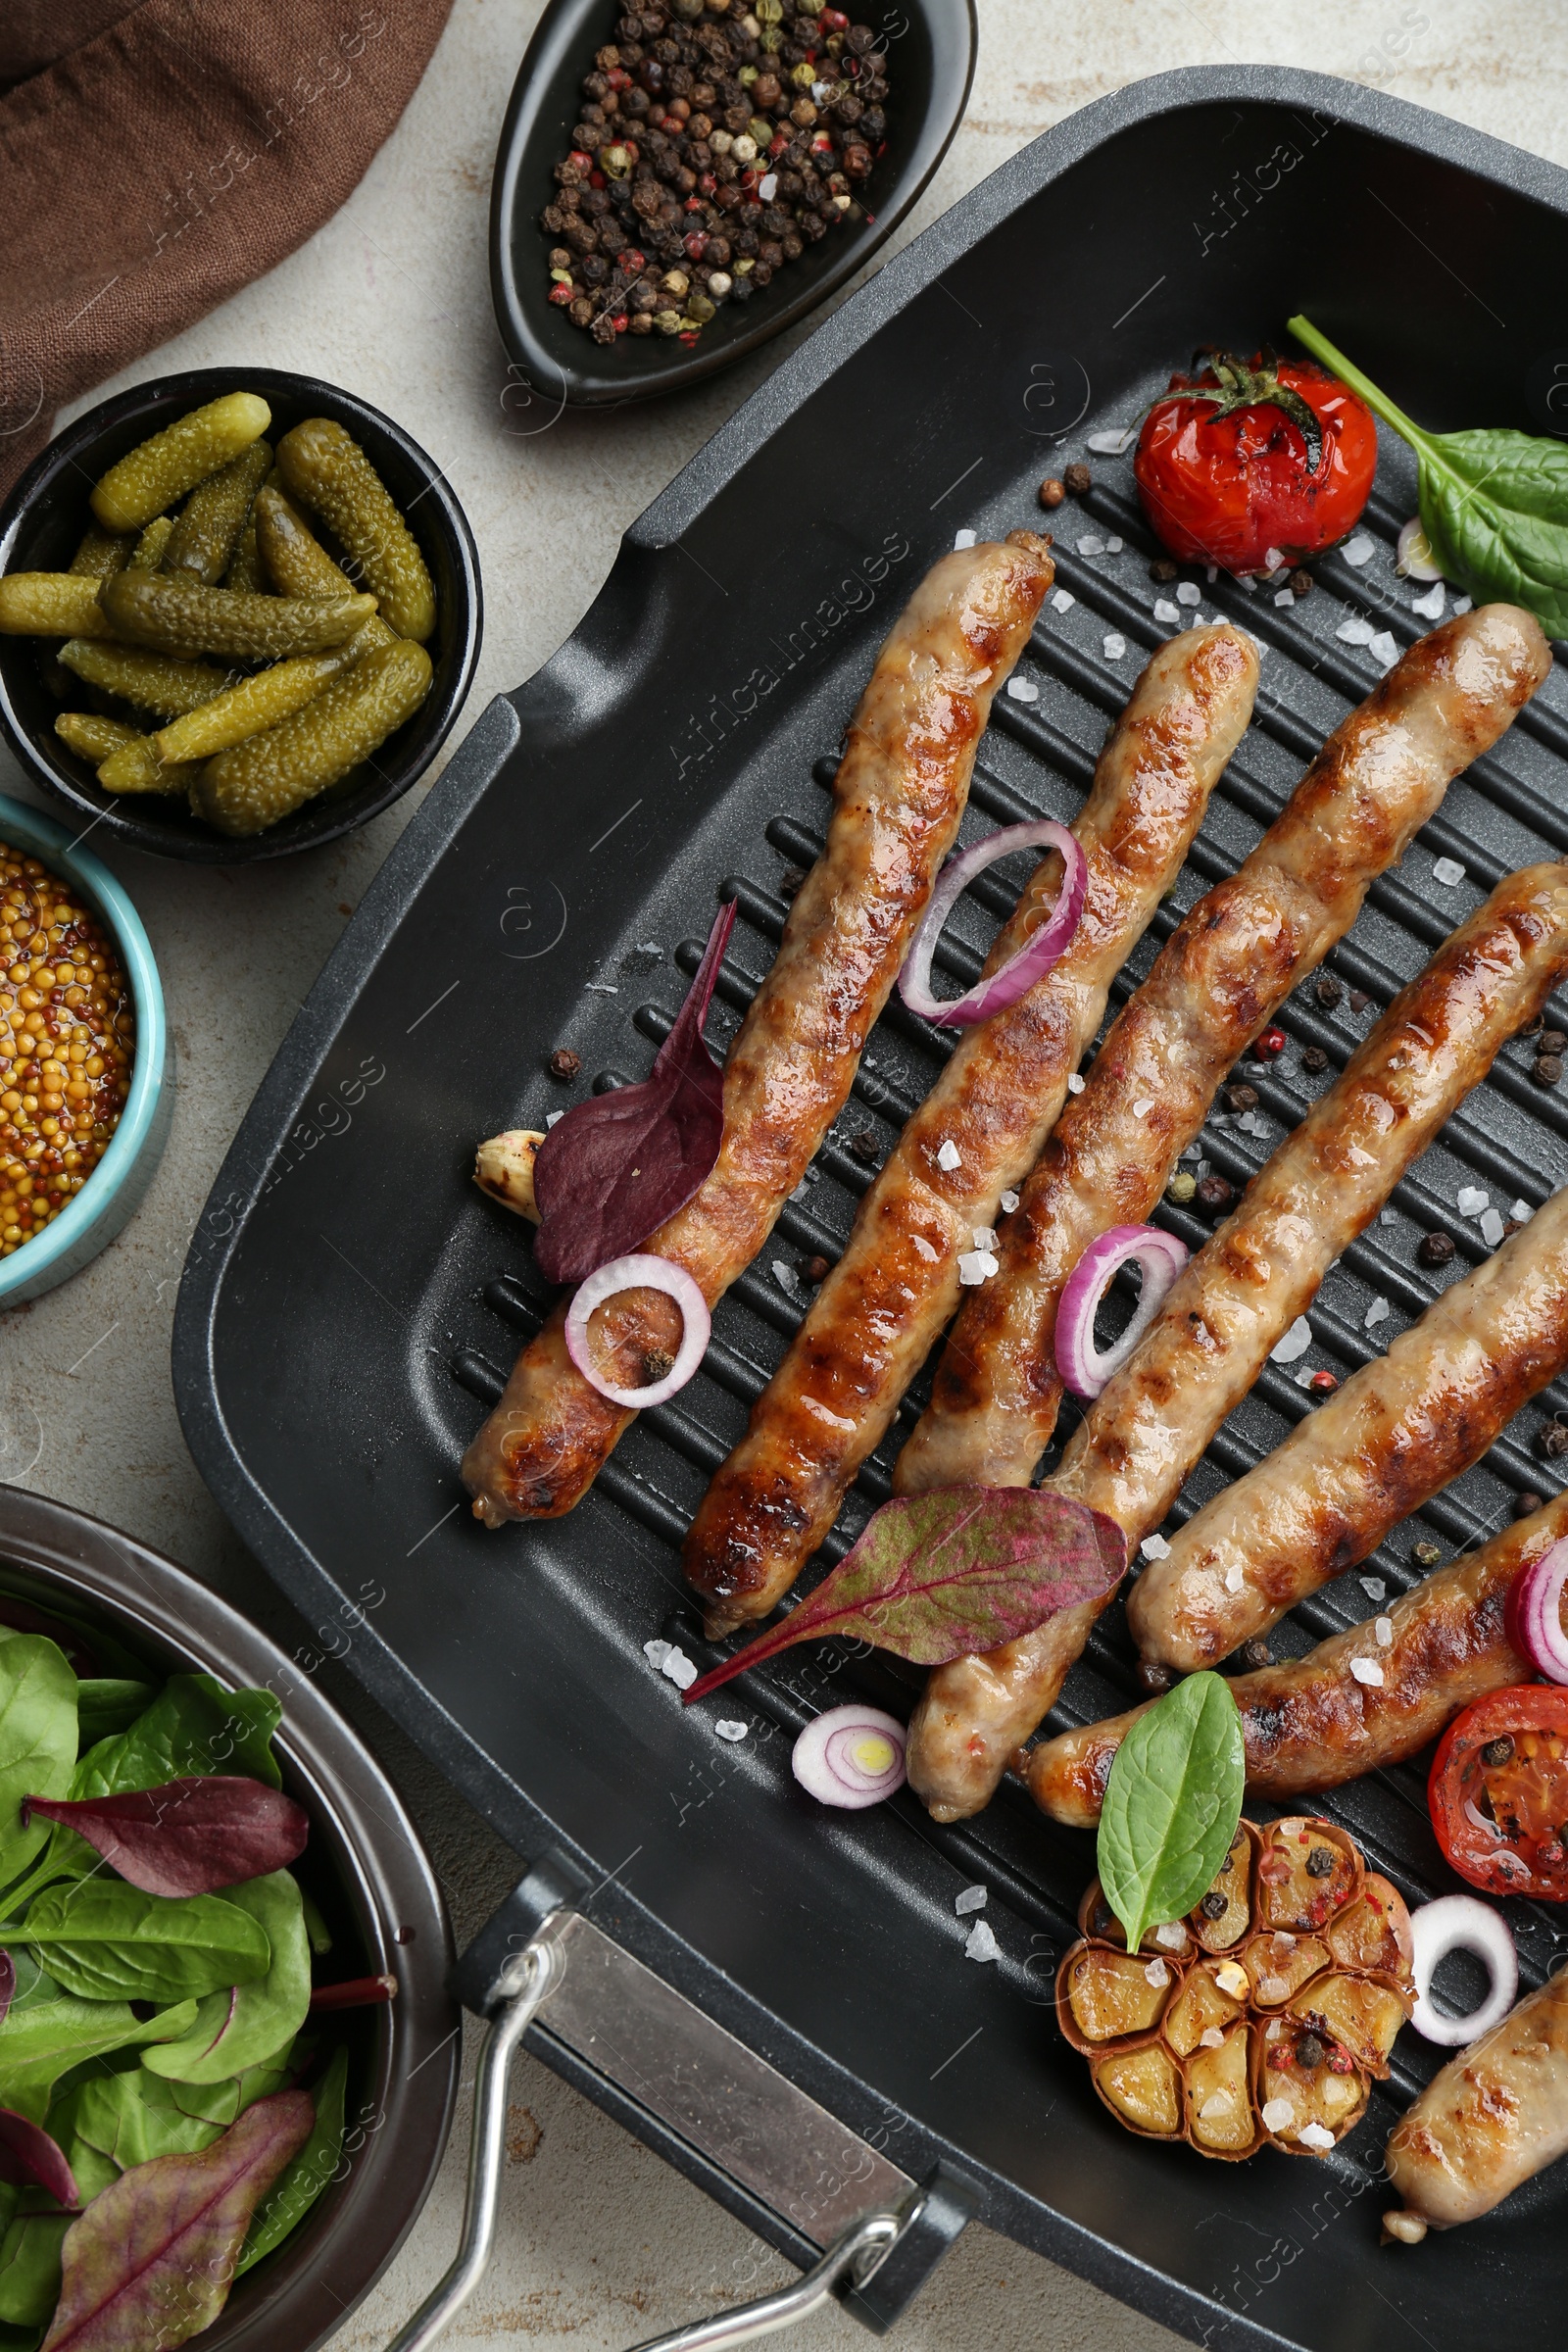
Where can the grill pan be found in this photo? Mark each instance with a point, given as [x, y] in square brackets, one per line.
[351, 1305]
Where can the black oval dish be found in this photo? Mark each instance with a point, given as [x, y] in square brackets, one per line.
[43, 520]
[932, 49]
[366, 1870]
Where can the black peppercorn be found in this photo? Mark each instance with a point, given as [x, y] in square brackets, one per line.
[1547, 1071]
[1551, 1439]
[1314, 1060]
[791, 880]
[865, 1146]
[1256, 1653]
[658, 1365]
[1498, 1752]
[1533, 1028]
[1310, 2050]
[1524, 1505]
[1320, 1862]
[1240, 1098]
[1215, 1193]
[564, 1062]
[1078, 478]
[1213, 1905]
[1552, 1040]
[1328, 992]
[1434, 1249]
[1302, 583]
[814, 1269]
[1164, 569]
[1153, 1677]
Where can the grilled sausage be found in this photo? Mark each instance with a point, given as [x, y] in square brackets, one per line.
[1496, 2116]
[901, 791]
[1310, 1724]
[875, 1317]
[1213, 986]
[1391, 1437]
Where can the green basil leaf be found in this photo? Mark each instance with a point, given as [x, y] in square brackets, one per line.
[1172, 1805]
[193, 1724]
[247, 2024]
[107, 1706]
[106, 1941]
[29, 2268]
[42, 2040]
[37, 1723]
[297, 2188]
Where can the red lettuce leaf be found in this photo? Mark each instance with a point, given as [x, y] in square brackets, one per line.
[31, 2159]
[186, 1837]
[611, 1172]
[942, 1575]
[152, 2259]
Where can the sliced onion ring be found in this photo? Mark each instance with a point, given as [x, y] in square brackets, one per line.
[851, 1757]
[1534, 1614]
[1161, 1255]
[1021, 971]
[1413, 558]
[640, 1272]
[1459, 1923]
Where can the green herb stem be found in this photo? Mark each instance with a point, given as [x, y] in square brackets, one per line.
[1345, 370]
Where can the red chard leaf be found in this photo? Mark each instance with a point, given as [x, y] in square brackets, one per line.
[611, 1172]
[151, 2260]
[187, 1837]
[942, 1575]
[31, 2159]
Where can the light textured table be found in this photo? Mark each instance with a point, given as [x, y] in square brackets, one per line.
[601, 2246]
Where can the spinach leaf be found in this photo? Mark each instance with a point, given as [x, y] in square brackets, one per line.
[1171, 1804]
[106, 1941]
[42, 2040]
[242, 2026]
[316, 1926]
[297, 2190]
[109, 1704]
[1494, 503]
[29, 2268]
[193, 1724]
[37, 1729]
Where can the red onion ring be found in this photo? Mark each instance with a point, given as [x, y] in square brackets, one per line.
[1161, 1255]
[839, 1757]
[640, 1272]
[1533, 1619]
[1459, 1923]
[1019, 975]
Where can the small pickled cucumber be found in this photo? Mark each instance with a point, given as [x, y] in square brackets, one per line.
[93, 739]
[153, 475]
[246, 571]
[246, 789]
[325, 467]
[136, 767]
[102, 551]
[209, 524]
[298, 564]
[153, 542]
[252, 706]
[51, 603]
[185, 617]
[154, 682]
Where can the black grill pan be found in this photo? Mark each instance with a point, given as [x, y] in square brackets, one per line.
[351, 1305]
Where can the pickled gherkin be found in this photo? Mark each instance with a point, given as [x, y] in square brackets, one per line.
[102, 551]
[252, 706]
[185, 617]
[153, 475]
[244, 790]
[136, 767]
[153, 540]
[207, 528]
[93, 738]
[246, 569]
[154, 682]
[51, 603]
[325, 467]
[297, 562]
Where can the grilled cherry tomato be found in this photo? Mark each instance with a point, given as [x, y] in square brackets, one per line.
[1246, 466]
[1499, 1793]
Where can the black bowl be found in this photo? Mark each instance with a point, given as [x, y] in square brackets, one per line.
[367, 1870]
[42, 522]
[932, 49]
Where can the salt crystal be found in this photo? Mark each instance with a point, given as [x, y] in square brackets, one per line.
[982, 1943]
[1365, 1670]
[1164, 609]
[1198, 621]
[924, 1249]
[767, 187]
[984, 1237]
[1286, 596]
[1154, 1548]
[1088, 545]
[1303, 1376]
[1113, 646]
[976, 1266]
[1143, 1107]
[725, 1730]
[1217, 2105]
[1462, 604]
[1210, 2037]
[1246, 580]
[1113, 547]
[1156, 1973]
[948, 1155]
[1359, 550]
[1192, 1152]
[1250, 1124]
[785, 1277]
[1172, 1934]
[1189, 593]
[1383, 649]
[1387, 1217]
[969, 1898]
[1234, 1577]
[1316, 2135]
[1277, 2113]
[961, 539]
[1429, 606]
[1491, 1227]
[1273, 1988]
[655, 1652]
[1075, 1085]
[1447, 871]
[1273, 559]
[679, 1670]
[1355, 630]
[1373, 1587]
[1521, 1212]
[1383, 1627]
[1378, 1312]
[1010, 1201]
[1063, 600]
[552, 1118]
[600, 988]
[1296, 1341]
[1020, 691]
[1470, 1200]
[1111, 444]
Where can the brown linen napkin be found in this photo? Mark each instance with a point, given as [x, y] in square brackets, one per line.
[158, 155]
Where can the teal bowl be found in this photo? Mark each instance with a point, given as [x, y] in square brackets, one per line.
[115, 1189]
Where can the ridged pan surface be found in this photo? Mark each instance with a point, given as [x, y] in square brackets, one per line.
[352, 1303]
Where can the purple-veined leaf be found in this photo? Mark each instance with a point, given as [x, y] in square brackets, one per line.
[187, 1837]
[31, 2159]
[611, 1172]
[942, 1575]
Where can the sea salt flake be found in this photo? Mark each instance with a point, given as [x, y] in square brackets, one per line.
[725, 1730]
[1215, 2105]
[1113, 547]
[1273, 560]
[1387, 1216]
[1286, 596]
[1304, 1375]
[1378, 1312]
[786, 1278]
[1143, 1107]
[1248, 581]
[655, 1652]
[1368, 1670]
[1065, 599]
[1075, 1085]
[1359, 550]
[1373, 1587]
[1164, 609]
[1156, 1973]
[1316, 2135]
[1276, 2114]
[678, 1669]
[600, 988]
[1521, 1212]
[1154, 1548]
[1383, 1627]
[925, 1250]
[1234, 1577]
[767, 187]
[1189, 593]
[1088, 545]
[984, 1237]
[1113, 646]
[1429, 606]
[1250, 1124]
[1110, 443]
[948, 1155]
[1296, 1341]
[982, 1943]
[1019, 690]
[1383, 649]
[1010, 1201]
[976, 1266]
[1192, 1152]
[969, 1898]
[553, 1118]
[1491, 1227]
[1462, 604]
[1172, 1935]
[1447, 871]
[961, 539]
[1355, 630]
[1470, 1200]
[1210, 2037]
[1272, 1988]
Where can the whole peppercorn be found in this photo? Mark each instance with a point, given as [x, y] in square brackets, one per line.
[1238, 1098]
[1551, 1439]
[1552, 1040]
[1310, 2050]
[1525, 1503]
[1214, 1194]
[1328, 992]
[1164, 569]
[1322, 1384]
[814, 1269]
[1052, 492]
[791, 881]
[1213, 1905]
[1154, 1678]
[1547, 1071]
[658, 1365]
[1302, 583]
[1078, 478]
[1267, 1046]
[1314, 1060]
[1435, 1249]
[564, 1062]
[1181, 1188]
[1255, 1654]
[1320, 1862]
[865, 1146]
[1426, 1554]
[1534, 1027]
[1498, 1752]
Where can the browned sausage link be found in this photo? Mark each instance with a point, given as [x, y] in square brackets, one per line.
[1389, 1439]
[1213, 986]
[875, 1317]
[1310, 1724]
[1496, 2116]
[901, 791]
